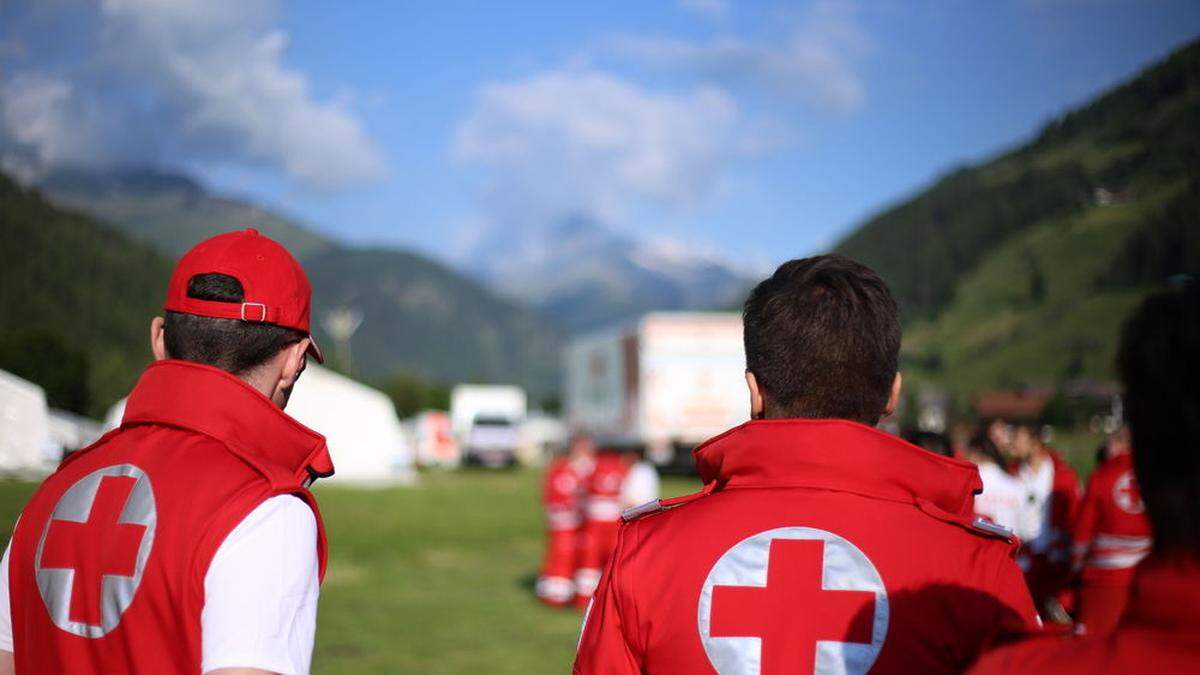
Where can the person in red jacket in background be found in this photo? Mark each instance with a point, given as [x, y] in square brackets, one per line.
[1158, 361]
[1047, 518]
[562, 499]
[602, 517]
[186, 541]
[819, 543]
[1112, 535]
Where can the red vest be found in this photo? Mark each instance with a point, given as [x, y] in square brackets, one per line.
[604, 488]
[109, 557]
[818, 546]
[1113, 533]
[561, 495]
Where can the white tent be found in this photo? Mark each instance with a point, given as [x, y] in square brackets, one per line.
[541, 436]
[359, 423]
[26, 446]
[72, 432]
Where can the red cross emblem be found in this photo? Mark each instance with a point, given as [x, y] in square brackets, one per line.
[1127, 495]
[793, 600]
[94, 547]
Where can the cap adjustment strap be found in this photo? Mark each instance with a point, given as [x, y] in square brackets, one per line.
[262, 312]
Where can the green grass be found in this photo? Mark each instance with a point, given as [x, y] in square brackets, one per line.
[1078, 447]
[432, 579]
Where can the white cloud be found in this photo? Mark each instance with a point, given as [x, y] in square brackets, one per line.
[713, 9]
[587, 143]
[190, 80]
[815, 64]
[39, 126]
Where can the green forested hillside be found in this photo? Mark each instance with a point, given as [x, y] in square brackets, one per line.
[1019, 271]
[76, 297]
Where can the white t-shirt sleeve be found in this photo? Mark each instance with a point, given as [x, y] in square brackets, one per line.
[640, 486]
[6, 633]
[260, 592]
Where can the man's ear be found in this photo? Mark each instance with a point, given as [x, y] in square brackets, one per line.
[292, 364]
[158, 341]
[757, 405]
[894, 398]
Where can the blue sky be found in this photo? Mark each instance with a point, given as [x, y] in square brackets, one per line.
[761, 131]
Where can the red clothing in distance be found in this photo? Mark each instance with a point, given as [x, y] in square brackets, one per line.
[602, 518]
[1112, 536]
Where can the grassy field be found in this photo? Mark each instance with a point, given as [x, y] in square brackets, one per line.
[436, 578]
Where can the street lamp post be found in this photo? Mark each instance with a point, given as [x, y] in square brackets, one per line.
[341, 323]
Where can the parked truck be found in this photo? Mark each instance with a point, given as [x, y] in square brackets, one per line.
[666, 383]
[486, 421]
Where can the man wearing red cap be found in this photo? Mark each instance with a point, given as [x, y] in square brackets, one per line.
[819, 544]
[185, 541]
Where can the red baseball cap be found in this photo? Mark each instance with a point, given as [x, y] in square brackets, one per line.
[276, 289]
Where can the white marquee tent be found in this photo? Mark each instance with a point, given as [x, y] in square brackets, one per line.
[359, 423]
[26, 445]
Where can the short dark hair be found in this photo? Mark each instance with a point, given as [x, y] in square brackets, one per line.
[1159, 364]
[982, 443]
[822, 339]
[232, 345]
[1031, 428]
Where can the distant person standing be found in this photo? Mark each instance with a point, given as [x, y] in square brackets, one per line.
[1046, 520]
[562, 498]
[185, 541]
[1002, 496]
[1111, 537]
[819, 544]
[602, 517]
[1158, 361]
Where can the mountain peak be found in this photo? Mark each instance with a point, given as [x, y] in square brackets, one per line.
[128, 180]
[582, 274]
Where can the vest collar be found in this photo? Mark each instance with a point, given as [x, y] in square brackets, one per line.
[837, 455]
[213, 402]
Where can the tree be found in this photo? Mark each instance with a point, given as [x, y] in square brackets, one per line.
[44, 358]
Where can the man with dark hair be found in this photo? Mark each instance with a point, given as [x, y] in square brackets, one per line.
[819, 544]
[232, 345]
[1158, 362]
[186, 541]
